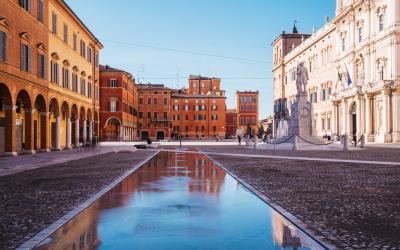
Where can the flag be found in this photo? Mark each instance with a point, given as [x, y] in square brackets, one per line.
[349, 81]
[339, 75]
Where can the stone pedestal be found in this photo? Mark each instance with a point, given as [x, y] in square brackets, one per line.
[301, 116]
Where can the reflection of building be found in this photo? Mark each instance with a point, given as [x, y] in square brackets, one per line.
[353, 68]
[283, 235]
[199, 111]
[267, 124]
[119, 104]
[154, 111]
[49, 77]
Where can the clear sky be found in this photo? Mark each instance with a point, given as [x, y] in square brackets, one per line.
[163, 41]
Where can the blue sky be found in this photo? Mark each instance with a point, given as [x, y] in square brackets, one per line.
[163, 41]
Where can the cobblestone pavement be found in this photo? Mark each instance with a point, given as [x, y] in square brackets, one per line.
[368, 154]
[11, 165]
[351, 206]
[33, 199]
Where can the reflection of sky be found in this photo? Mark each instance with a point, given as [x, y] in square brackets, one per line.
[195, 207]
[178, 219]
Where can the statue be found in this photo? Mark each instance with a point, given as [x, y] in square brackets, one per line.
[302, 78]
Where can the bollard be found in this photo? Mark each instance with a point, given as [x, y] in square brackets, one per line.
[362, 141]
[295, 140]
[345, 143]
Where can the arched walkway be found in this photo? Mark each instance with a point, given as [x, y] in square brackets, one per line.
[96, 124]
[65, 126]
[55, 125]
[83, 126]
[113, 130]
[353, 121]
[7, 122]
[40, 126]
[89, 127]
[74, 125]
[24, 122]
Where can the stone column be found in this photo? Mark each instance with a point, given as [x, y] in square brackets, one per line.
[77, 132]
[344, 117]
[90, 132]
[367, 116]
[44, 132]
[121, 133]
[386, 116]
[58, 133]
[333, 119]
[10, 131]
[396, 115]
[84, 130]
[29, 132]
[69, 132]
[358, 102]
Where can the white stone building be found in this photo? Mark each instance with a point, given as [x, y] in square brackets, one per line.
[354, 70]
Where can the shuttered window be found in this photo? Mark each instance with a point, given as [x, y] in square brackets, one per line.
[89, 54]
[26, 4]
[42, 66]
[54, 72]
[83, 49]
[26, 58]
[65, 78]
[83, 87]
[40, 11]
[65, 33]
[3, 46]
[75, 41]
[74, 82]
[89, 92]
[54, 23]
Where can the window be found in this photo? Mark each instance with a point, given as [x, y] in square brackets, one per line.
[186, 107]
[89, 54]
[165, 115]
[75, 82]
[40, 11]
[360, 34]
[42, 66]
[83, 87]
[187, 117]
[214, 107]
[3, 46]
[155, 115]
[89, 90]
[54, 72]
[381, 71]
[113, 83]
[176, 107]
[65, 33]
[26, 58]
[140, 100]
[148, 115]
[65, 78]
[26, 4]
[381, 22]
[214, 117]
[83, 49]
[343, 44]
[165, 101]
[155, 101]
[96, 93]
[96, 60]
[74, 41]
[113, 105]
[54, 23]
[322, 123]
[149, 101]
[140, 115]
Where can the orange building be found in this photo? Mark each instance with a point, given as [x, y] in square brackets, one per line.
[154, 111]
[247, 109]
[231, 123]
[118, 105]
[199, 111]
[48, 83]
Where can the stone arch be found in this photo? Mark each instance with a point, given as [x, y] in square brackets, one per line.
[55, 124]
[7, 124]
[24, 122]
[40, 124]
[65, 125]
[74, 125]
[112, 129]
[89, 115]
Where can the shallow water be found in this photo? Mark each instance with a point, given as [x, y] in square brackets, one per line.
[179, 201]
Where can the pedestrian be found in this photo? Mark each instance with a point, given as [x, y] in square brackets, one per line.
[239, 140]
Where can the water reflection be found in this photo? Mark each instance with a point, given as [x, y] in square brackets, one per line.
[179, 201]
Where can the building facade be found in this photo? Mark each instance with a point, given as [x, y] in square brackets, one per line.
[48, 84]
[354, 70]
[154, 111]
[231, 122]
[247, 110]
[118, 105]
[198, 112]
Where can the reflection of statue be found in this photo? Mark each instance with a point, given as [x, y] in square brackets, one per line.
[302, 78]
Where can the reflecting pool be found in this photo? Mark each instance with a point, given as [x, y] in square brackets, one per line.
[179, 201]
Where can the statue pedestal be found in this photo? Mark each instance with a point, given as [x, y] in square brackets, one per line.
[301, 116]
